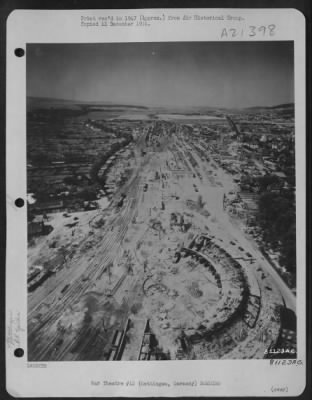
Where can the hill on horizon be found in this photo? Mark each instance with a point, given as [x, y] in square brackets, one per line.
[33, 101]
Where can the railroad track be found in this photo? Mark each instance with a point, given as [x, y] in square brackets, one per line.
[119, 342]
[106, 252]
[144, 352]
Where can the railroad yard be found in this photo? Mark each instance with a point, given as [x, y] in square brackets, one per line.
[157, 262]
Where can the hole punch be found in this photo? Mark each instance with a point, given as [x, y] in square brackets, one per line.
[19, 52]
[19, 202]
[19, 352]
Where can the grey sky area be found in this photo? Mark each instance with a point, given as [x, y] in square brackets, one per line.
[209, 74]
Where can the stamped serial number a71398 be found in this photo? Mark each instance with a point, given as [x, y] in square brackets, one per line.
[250, 31]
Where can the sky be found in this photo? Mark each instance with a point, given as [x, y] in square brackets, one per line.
[175, 74]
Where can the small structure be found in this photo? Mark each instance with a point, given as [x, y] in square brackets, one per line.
[48, 207]
[37, 227]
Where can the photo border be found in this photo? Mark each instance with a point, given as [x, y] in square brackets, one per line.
[267, 4]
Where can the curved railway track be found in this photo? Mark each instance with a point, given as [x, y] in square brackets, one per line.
[59, 295]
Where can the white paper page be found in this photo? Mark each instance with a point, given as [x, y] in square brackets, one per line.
[161, 248]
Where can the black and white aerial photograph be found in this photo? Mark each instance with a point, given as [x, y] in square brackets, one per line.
[161, 206]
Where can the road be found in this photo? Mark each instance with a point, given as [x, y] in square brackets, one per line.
[215, 196]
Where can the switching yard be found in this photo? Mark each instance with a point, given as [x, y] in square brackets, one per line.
[161, 266]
